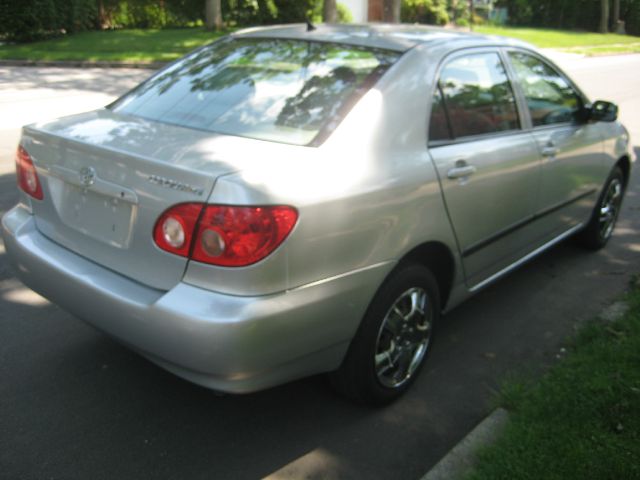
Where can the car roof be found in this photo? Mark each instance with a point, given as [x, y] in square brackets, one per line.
[398, 37]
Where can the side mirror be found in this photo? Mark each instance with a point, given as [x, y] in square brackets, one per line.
[601, 111]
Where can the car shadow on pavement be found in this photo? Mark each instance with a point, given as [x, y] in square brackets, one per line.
[76, 404]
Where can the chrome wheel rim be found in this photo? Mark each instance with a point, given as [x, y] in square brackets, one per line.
[403, 338]
[609, 208]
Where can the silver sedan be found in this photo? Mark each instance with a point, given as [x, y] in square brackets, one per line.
[294, 200]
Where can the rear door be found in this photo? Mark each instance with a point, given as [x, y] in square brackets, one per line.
[571, 148]
[488, 166]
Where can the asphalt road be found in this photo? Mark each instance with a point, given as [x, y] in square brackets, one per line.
[75, 404]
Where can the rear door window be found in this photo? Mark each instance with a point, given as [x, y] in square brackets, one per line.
[475, 94]
[288, 91]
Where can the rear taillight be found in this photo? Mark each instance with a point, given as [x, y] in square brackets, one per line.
[27, 175]
[230, 236]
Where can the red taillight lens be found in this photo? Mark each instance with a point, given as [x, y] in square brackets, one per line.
[27, 176]
[174, 229]
[238, 236]
[224, 235]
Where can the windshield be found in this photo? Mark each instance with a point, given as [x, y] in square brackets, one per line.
[288, 91]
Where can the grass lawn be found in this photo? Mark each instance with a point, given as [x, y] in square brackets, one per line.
[580, 42]
[582, 419]
[120, 45]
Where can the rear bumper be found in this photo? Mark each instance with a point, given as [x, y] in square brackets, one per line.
[228, 343]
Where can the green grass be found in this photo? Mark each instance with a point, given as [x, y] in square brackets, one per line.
[582, 419]
[584, 42]
[115, 45]
[607, 49]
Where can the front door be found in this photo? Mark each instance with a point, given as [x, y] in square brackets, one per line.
[571, 148]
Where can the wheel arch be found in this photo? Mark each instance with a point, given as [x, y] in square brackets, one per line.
[625, 165]
[438, 258]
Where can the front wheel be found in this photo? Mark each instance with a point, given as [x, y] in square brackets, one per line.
[603, 219]
[393, 340]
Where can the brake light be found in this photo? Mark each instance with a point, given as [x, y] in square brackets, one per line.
[27, 176]
[230, 236]
[239, 236]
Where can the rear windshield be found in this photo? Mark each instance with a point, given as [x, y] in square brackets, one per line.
[288, 91]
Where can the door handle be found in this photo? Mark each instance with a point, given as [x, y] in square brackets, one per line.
[550, 150]
[461, 170]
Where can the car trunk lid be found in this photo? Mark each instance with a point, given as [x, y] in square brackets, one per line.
[108, 177]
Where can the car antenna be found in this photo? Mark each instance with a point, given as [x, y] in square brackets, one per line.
[310, 26]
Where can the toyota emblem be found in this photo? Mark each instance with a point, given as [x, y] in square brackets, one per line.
[87, 176]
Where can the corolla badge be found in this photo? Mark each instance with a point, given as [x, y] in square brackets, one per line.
[87, 176]
[174, 184]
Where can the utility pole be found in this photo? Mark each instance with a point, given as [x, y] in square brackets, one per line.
[471, 15]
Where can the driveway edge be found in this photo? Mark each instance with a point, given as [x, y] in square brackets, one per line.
[461, 458]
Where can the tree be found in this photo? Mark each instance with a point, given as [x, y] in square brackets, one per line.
[330, 11]
[471, 14]
[604, 16]
[213, 14]
[391, 11]
[616, 17]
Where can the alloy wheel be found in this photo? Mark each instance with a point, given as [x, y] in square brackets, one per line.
[403, 338]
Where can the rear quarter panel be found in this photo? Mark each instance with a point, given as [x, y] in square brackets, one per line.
[366, 197]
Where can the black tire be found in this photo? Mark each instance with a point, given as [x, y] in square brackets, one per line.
[600, 227]
[385, 333]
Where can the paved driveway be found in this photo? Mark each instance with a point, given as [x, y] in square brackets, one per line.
[74, 404]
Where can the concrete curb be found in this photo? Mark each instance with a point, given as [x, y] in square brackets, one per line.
[461, 458]
[81, 64]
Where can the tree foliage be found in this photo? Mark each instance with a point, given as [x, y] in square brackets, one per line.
[24, 20]
[436, 12]
[433, 12]
[571, 14]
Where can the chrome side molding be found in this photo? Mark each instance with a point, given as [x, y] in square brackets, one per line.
[526, 258]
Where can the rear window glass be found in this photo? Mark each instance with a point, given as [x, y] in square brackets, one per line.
[477, 97]
[288, 91]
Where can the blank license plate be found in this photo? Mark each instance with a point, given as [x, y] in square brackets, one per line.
[103, 218]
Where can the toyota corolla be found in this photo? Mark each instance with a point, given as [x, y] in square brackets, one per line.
[294, 200]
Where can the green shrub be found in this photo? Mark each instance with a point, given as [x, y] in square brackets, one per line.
[478, 19]
[344, 14]
[152, 14]
[27, 20]
[424, 11]
[458, 10]
[289, 11]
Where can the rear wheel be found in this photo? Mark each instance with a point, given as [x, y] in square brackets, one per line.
[604, 216]
[393, 340]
